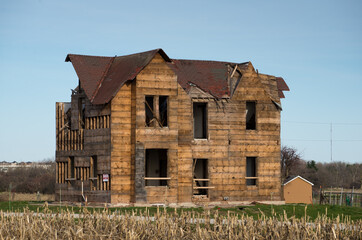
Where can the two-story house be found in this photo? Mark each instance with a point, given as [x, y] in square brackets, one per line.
[144, 128]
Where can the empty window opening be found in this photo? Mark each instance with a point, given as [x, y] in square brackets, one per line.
[93, 166]
[71, 167]
[149, 111]
[251, 171]
[200, 120]
[156, 167]
[250, 116]
[201, 177]
[163, 110]
[93, 173]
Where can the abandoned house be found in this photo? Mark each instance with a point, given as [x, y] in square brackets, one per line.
[144, 128]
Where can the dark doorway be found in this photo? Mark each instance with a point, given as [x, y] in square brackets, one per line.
[201, 176]
[156, 166]
[251, 171]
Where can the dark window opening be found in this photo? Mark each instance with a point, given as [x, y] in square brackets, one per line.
[71, 167]
[163, 110]
[149, 111]
[93, 166]
[81, 106]
[200, 120]
[156, 167]
[251, 171]
[201, 175]
[68, 118]
[250, 116]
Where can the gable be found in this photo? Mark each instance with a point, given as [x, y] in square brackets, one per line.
[196, 92]
[90, 70]
[251, 86]
[104, 76]
[297, 178]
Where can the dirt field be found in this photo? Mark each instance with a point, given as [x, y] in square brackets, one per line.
[4, 196]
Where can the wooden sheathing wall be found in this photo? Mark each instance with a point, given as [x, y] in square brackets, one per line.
[229, 143]
[130, 137]
[66, 139]
[95, 142]
[262, 143]
[156, 79]
[185, 137]
[122, 153]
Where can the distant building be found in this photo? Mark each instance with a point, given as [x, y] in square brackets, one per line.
[6, 166]
[297, 190]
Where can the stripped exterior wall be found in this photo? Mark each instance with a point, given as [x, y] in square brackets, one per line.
[116, 132]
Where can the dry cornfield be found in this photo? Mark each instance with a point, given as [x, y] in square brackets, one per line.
[163, 225]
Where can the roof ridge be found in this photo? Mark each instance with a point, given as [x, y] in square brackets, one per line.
[82, 55]
[298, 176]
[214, 61]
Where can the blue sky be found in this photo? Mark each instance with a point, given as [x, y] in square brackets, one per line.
[316, 46]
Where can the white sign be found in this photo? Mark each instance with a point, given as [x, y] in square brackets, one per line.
[105, 177]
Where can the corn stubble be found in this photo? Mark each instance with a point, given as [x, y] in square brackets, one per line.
[163, 225]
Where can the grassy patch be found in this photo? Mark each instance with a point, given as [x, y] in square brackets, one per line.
[297, 210]
[256, 211]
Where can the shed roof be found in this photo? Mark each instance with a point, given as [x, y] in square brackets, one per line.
[292, 178]
[102, 77]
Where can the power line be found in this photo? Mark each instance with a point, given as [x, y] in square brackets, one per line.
[323, 123]
[331, 145]
[324, 140]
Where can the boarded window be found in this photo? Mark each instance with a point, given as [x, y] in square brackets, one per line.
[163, 110]
[200, 120]
[156, 167]
[250, 116]
[82, 173]
[62, 172]
[149, 111]
[201, 176]
[251, 171]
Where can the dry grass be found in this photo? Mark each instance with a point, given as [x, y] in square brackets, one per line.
[163, 225]
[4, 196]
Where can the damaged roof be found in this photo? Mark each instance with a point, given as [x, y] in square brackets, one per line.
[102, 77]
[210, 76]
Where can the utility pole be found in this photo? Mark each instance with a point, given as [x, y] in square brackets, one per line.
[9, 196]
[331, 145]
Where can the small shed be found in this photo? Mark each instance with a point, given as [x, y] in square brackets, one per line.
[297, 190]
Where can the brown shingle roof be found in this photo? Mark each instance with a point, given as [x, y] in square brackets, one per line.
[282, 86]
[210, 76]
[102, 77]
[90, 70]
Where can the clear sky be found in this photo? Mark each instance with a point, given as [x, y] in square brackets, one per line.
[316, 46]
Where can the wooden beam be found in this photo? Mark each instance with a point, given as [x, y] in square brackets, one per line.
[204, 187]
[157, 178]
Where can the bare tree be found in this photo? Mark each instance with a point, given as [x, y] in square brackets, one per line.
[290, 160]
